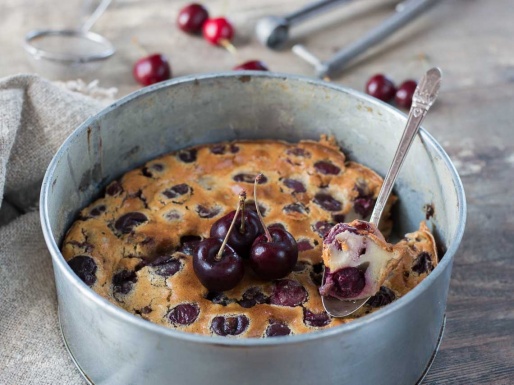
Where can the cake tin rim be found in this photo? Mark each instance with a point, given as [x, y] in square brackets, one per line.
[126, 316]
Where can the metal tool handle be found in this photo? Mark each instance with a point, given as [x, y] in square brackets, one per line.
[312, 9]
[99, 11]
[273, 31]
[406, 12]
[424, 96]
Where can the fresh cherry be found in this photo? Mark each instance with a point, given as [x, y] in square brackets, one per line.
[216, 264]
[381, 87]
[217, 273]
[218, 31]
[274, 254]
[151, 69]
[253, 65]
[247, 228]
[405, 93]
[192, 17]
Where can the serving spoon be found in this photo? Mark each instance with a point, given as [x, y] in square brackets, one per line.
[423, 98]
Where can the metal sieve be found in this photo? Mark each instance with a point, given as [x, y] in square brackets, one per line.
[69, 53]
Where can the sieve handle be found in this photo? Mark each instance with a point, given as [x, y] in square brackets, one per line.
[99, 11]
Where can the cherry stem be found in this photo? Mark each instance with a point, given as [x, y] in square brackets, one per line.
[134, 40]
[266, 231]
[225, 43]
[242, 196]
[224, 7]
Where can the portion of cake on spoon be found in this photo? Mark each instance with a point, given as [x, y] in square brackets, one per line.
[357, 260]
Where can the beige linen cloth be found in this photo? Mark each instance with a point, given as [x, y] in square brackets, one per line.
[35, 118]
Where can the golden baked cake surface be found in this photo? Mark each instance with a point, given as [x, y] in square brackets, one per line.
[134, 245]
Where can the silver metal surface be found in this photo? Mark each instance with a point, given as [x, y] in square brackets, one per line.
[69, 53]
[405, 13]
[423, 98]
[97, 13]
[273, 31]
[427, 367]
[390, 346]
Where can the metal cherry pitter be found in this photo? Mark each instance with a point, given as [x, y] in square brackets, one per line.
[273, 32]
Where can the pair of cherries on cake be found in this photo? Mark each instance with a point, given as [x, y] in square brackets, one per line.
[241, 235]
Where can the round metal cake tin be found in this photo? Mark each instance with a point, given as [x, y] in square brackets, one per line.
[111, 346]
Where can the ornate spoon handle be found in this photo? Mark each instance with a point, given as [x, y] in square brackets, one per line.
[424, 96]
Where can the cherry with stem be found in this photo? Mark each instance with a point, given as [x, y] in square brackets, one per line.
[248, 227]
[275, 253]
[216, 264]
[219, 31]
[151, 68]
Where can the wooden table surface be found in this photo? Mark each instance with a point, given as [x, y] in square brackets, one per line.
[471, 40]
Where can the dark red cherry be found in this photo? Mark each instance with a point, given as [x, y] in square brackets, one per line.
[327, 201]
[295, 185]
[166, 265]
[229, 326]
[123, 281]
[423, 263]
[252, 297]
[288, 292]
[217, 274]
[322, 227]
[97, 211]
[277, 329]
[381, 87]
[184, 314]
[315, 319]
[344, 283]
[405, 93]
[114, 188]
[276, 258]
[218, 31]
[274, 254]
[252, 65]
[152, 69]
[127, 222]
[192, 17]
[384, 297]
[207, 212]
[85, 267]
[218, 298]
[326, 168]
[241, 238]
